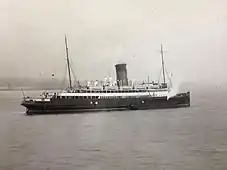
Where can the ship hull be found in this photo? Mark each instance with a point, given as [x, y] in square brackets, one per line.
[60, 106]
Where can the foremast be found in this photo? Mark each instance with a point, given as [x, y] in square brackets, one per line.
[68, 66]
[163, 66]
[164, 84]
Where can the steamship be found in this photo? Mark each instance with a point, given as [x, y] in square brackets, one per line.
[110, 95]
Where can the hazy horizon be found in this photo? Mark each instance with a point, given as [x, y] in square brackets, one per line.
[102, 33]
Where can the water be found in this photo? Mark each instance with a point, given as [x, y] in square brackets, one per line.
[192, 138]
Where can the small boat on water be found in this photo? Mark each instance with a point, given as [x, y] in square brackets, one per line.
[110, 95]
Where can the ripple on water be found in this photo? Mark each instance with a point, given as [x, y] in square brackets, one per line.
[172, 139]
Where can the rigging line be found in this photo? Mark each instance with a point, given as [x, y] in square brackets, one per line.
[64, 78]
[169, 78]
[74, 75]
[75, 82]
[160, 74]
[71, 66]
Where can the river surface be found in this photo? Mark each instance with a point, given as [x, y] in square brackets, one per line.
[192, 138]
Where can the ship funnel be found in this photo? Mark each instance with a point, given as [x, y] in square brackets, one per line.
[121, 73]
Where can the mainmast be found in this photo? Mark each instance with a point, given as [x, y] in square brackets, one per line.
[163, 66]
[67, 58]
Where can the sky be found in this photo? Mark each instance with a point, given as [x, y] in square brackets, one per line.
[102, 33]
